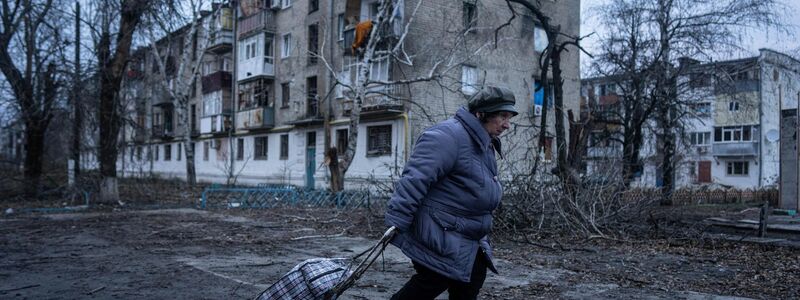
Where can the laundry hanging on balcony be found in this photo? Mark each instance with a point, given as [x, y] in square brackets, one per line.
[362, 34]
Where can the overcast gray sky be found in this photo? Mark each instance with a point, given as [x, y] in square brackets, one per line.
[788, 43]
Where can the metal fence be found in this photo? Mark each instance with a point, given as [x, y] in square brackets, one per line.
[266, 196]
[692, 197]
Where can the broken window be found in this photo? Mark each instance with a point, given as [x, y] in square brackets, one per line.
[341, 141]
[379, 140]
[285, 95]
[701, 109]
[469, 10]
[313, 5]
[239, 149]
[167, 152]
[260, 147]
[313, 43]
[312, 107]
[284, 147]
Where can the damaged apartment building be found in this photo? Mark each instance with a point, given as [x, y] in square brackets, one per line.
[739, 129]
[273, 71]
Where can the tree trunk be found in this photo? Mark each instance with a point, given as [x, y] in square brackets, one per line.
[191, 176]
[666, 101]
[34, 149]
[337, 176]
[111, 72]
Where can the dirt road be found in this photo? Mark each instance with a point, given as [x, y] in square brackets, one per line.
[234, 254]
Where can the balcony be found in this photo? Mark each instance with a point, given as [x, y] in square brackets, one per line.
[380, 102]
[737, 149]
[737, 86]
[312, 116]
[263, 66]
[363, 10]
[608, 99]
[255, 118]
[220, 41]
[162, 99]
[164, 132]
[260, 21]
[216, 81]
[215, 124]
[604, 152]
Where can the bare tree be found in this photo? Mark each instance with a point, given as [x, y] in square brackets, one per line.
[559, 42]
[31, 48]
[191, 40]
[648, 37]
[627, 58]
[112, 58]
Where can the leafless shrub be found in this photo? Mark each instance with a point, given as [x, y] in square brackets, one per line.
[592, 207]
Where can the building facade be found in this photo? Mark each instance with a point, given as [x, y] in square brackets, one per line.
[739, 127]
[273, 71]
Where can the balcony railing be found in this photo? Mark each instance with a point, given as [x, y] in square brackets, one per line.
[220, 41]
[256, 118]
[379, 99]
[161, 98]
[139, 135]
[264, 20]
[163, 132]
[746, 148]
[604, 152]
[214, 124]
[216, 81]
[737, 86]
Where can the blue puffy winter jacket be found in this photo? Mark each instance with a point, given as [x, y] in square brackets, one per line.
[443, 203]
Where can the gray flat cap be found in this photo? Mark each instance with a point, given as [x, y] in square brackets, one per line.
[493, 99]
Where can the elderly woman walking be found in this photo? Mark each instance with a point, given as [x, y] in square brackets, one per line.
[442, 206]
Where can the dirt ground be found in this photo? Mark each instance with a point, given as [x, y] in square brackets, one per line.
[234, 254]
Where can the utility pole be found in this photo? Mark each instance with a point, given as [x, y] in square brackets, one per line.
[234, 108]
[76, 98]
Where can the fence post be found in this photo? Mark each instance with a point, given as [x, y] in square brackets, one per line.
[762, 224]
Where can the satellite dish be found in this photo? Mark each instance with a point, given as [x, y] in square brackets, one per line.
[772, 135]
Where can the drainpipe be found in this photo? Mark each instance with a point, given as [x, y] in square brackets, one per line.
[761, 134]
[406, 136]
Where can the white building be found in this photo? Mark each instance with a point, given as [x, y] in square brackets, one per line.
[740, 130]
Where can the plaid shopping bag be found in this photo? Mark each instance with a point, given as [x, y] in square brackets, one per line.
[312, 279]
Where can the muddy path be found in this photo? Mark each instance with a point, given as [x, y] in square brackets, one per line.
[234, 254]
